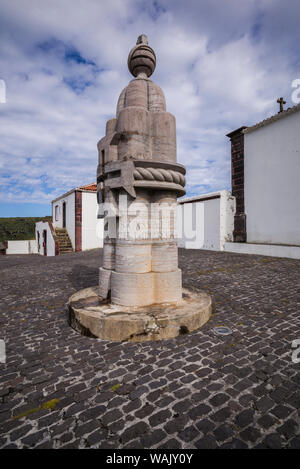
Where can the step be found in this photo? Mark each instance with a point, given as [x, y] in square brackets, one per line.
[64, 242]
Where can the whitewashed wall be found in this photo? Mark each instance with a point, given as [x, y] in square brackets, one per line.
[206, 224]
[272, 170]
[39, 227]
[22, 247]
[70, 215]
[92, 228]
[274, 250]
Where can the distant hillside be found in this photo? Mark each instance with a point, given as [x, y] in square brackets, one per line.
[19, 228]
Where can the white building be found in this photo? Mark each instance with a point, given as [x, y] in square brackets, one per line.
[206, 221]
[74, 226]
[265, 183]
[262, 213]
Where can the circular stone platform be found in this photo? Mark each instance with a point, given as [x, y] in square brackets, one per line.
[95, 318]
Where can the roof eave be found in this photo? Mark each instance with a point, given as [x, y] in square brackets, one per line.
[275, 118]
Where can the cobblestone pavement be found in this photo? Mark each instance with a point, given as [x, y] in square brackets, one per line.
[62, 390]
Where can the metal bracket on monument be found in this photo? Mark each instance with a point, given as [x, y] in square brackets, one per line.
[118, 174]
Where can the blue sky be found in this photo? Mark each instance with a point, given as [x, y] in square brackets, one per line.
[221, 65]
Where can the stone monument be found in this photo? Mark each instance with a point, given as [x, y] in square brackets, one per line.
[140, 294]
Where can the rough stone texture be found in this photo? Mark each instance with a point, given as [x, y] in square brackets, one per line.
[95, 318]
[237, 183]
[78, 221]
[110, 394]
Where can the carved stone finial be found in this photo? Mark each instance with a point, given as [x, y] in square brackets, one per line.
[142, 39]
[141, 58]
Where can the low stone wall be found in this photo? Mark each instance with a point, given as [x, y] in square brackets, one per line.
[273, 250]
[22, 247]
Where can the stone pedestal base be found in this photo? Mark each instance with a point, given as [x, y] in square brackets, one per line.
[95, 318]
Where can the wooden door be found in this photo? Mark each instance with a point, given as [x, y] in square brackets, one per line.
[64, 214]
[45, 242]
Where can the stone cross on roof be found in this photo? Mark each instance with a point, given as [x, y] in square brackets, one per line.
[281, 102]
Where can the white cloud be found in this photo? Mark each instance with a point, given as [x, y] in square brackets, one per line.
[221, 65]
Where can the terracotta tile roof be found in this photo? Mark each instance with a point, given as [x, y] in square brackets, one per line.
[271, 119]
[88, 187]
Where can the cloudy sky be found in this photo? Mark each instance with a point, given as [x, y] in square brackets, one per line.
[221, 64]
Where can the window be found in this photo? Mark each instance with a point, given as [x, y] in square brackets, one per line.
[56, 212]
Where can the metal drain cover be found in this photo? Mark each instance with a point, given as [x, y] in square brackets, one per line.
[222, 330]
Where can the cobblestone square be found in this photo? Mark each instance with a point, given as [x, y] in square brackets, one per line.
[59, 389]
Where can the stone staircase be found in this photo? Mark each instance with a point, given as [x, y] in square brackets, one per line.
[64, 242]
